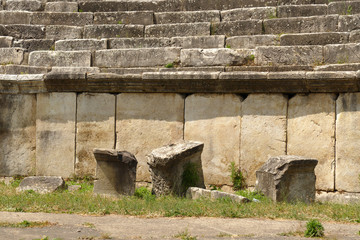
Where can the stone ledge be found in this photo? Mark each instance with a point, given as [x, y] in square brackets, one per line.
[184, 82]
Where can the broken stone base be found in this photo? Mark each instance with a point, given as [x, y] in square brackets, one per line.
[196, 193]
[41, 184]
[115, 172]
[288, 178]
[338, 197]
[176, 167]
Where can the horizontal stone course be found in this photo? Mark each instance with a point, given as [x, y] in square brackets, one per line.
[61, 7]
[187, 17]
[141, 18]
[9, 17]
[344, 7]
[63, 32]
[252, 41]
[342, 53]
[180, 29]
[35, 44]
[80, 44]
[60, 58]
[112, 31]
[248, 13]
[301, 10]
[11, 55]
[237, 28]
[313, 38]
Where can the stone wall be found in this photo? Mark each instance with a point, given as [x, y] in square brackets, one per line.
[54, 133]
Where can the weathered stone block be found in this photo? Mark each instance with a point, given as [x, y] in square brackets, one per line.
[287, 178]
[18, 69]
[342, 53]
[118, 43]
[95, 128]
[248, 13]
[176, 167]
[24, 31]
[198, 193]
[11, 55]
[344, 7]
[63, 32]
[349, 23]
[237, 28]
[289, 55]
[148, 121]
[29, 5]
[142, 18]
[191, 5]
[112, 31]
[214, 119]
[198, 42]
[17, 134]
[252, 41]
[56, 18]
[313, 38]
[42, 184]
[187, 17]
[60, 58]
[301, 10]
[179, 29]
[311, 132]
[347, 142]
[354, 36]
[61, 7]
[80, 44]
[145, 57]
[55, 134]
[35, 44]
[10, 17]
[6, 42]
[115, 172]
[263, 131]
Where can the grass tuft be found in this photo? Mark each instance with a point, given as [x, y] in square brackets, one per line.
[314, 229]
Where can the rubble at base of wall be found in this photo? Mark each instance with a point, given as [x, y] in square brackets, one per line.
[196, 193]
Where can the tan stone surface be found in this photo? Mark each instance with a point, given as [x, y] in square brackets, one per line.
[348, 142]
[95, 128]
[55, 134]
[263, 131]
[17, 134]
[214, 119]
[311, 133]
[148, 121]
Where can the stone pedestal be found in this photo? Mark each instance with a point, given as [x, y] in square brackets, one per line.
[115, 172]
[288, 178]
[176, 167]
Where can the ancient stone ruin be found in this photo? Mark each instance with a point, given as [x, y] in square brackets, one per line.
[288, 178]
[41, 184]
[248, 78]
[115, 172]
[176, 167]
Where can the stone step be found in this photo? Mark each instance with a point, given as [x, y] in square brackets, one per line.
[187, 17]
[314, 38]
[112, 31]
[237, 28]
[338, 67]
[60, 59]
[23, 69]
[252, 41]
[248, 13]
[128, 17]
[301, 10]
[11, 56]
[179, 29]
[61, 6]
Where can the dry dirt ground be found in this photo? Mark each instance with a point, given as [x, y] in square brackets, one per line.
[72, 226]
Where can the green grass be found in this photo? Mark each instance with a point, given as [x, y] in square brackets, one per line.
[145, 204]
[26, 224]
[314, 229]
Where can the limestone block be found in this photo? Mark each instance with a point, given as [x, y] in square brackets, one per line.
[29, 5]
[61, 7]
[5, 42]
[338, 197]
[56, 18]
[115, 172]
[354, 36]
[214, 119]
[263, 131]
[148, 121]
[344, 7]
[80, 44]
[42, 184]
[187, 17]
[342, 53]
[347, 142]
[313, 38]
[95, 128]
[112, 31]
[18, 69]
[60, 58]
[25, 31]
[199, 42]
[237, 28]
[10, 17]
[55, 134]
[349, 23]
[17, 134]
[252, 41]
[211, 57]
[287, 178]
[301, 10]
[289, 55]
[248, 13]
[35, 44]
[176, 167]
[145, 57]
[142, 18]
[63, 32]
[177, 30]
[191, 5]
[198, 193]
[11, 55]
[118, 43]
[311, 133]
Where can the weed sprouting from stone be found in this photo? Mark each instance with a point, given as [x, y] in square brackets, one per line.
[314, 229]
[237, 178]
[169, 65]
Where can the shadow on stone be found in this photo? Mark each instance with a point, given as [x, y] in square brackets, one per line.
[288, 178]
[176, 167]
[115, 172]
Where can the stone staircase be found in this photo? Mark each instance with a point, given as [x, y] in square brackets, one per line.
[122, 40]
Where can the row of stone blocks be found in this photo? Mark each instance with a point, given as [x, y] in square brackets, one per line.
[164, 5]
[246, 132]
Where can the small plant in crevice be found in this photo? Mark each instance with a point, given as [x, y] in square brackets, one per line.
[249, 60]
[314, 229]
[120, 22]
[169, 65]
[237, 178]
[228, 46]
[349, 10]
[184, 235]
[214, 187]
[190, 176]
